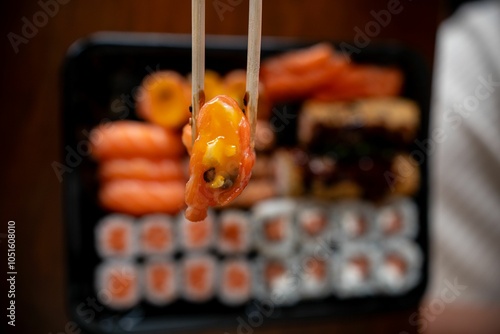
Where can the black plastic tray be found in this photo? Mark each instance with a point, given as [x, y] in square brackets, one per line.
[97, 71]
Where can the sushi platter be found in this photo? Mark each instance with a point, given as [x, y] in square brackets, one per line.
[332, 223]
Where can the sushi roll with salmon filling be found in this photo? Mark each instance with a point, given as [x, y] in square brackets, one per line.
[314, 276]
[197, 235]
[313, 224]
[157, 235]
[353, 220]
[115, 236]
[398, 218]
[275, 234]
[234, 232]
[198, 278]
[117, 284]
[355, 270]
[276, 280]
[400, 266]
[161, 281]
[235, 285]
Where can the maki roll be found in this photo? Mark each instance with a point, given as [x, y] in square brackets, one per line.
[400, 267]
[235, 285]
[398, 218]
[275, 233]
[355, 270]
[160, 279]
[197, 235]
[117, 284]
[157, 235]
[313, 224]
[315, 276]
[353, 220]
[234, 232]
[199, 275]
[276, 280]
[115, 236]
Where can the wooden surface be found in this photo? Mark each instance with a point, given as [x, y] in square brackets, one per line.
[30, 133]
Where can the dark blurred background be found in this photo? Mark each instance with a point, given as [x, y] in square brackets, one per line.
[31, 94]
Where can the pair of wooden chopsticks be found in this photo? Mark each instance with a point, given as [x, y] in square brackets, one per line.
[253, 60]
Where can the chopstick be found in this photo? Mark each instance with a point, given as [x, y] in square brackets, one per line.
[198, 60]
[253, 63]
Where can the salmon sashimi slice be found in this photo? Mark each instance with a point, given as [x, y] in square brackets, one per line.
[137, 197]
[130, 139]
[142, 169]
[359, 81]
[298, 74]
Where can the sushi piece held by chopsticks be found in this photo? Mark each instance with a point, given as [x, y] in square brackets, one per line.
[222, 134]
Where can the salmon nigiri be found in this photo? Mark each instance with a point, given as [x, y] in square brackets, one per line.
[221, 157]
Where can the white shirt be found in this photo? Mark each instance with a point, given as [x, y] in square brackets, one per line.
[465, 164]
